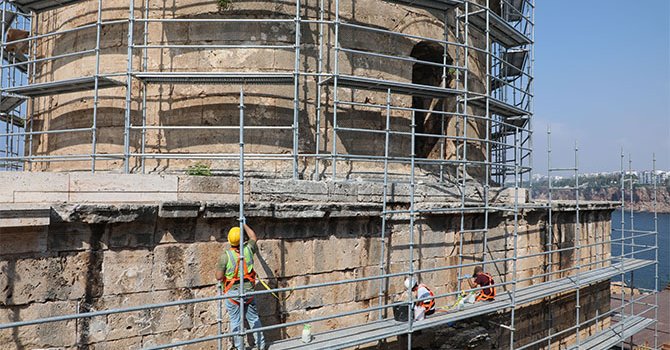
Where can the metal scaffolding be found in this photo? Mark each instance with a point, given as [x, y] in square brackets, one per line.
[500, 156]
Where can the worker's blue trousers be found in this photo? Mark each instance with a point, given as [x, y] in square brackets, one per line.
[251, 314]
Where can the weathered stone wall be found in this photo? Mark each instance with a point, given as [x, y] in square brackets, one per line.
[217, 105]
[103, 256]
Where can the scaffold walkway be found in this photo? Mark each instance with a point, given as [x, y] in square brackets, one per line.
[9, 102]
[42, 5]
[498, 107]
[369, 332]
[441, 5]
[354, 82]
[255, 78]
[63, 86]
[610, 337]
[500, 30]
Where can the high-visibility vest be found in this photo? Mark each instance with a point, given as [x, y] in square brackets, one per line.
[232, 274]
[491, 294]
[428, 304]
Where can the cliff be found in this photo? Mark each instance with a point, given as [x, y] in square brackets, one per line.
[643, 196]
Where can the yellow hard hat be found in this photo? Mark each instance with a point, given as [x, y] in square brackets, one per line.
[234, 236]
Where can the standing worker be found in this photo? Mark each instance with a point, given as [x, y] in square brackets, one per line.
[228, 274]
[480, 278]
[425, 307]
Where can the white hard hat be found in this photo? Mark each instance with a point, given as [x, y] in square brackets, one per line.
[410, 282]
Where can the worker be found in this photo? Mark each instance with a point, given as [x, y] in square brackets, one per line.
[480, 278]
[425, 307]
[228, 274]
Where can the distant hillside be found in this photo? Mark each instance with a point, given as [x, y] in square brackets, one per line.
[643, 196]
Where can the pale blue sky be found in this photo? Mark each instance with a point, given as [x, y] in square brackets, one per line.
[602, 77]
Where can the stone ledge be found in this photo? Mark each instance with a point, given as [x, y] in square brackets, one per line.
[25, 215]
[179, 209]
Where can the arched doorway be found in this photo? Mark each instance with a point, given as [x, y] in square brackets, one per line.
[428, 74]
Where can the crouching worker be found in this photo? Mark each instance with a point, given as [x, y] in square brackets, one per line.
[425, 307]
[482, 279]
[228, 273]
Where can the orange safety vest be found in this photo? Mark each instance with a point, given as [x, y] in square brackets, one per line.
[230, 279]
[430, 303]
[491, 295]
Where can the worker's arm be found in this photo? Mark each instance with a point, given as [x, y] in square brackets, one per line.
[220, 267]
[250, 232]
[472, 283]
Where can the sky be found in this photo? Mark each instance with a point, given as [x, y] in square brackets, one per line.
[602, 79]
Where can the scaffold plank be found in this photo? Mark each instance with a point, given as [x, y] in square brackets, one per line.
[515, 60]
[9, 102]
[374, 331]
[610, 337]
[441, 5]
[499, 29]
[348, 81]
[12, 119]
[63, 86]
[42, 5]
[498, 107]
[9, 18]
[250, 78]
[513, 9]
[14, 58]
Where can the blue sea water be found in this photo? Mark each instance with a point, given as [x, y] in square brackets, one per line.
[644, 278]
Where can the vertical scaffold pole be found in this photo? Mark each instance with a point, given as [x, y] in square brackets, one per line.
[463, 159]
[632, 245]
[487, 145]
[319, 111]
[145, 64]
[516, 238]
[242, 220]
[531, 102]
[623, 245]
[411, 227]
[2, 82]
[382, 267]
[443, 139]
[578, 246]
[219, 315]
[656, 286]
[550, 227]
[94, 124]
[296, 92]
[31, 71]
[336, 73]
[129, 88]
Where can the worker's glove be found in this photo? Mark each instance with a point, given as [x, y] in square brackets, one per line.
[467, 276]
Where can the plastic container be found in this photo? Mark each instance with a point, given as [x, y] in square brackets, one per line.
[306, 333]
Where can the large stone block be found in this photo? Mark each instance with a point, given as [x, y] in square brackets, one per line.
[24, 215]
[208, 188]
[23, 187]
[50, 335]
[156, 320]
[310, 298]
[136, 234]
[127, 271]
[86, 187]
[18, 240]
[182, 265]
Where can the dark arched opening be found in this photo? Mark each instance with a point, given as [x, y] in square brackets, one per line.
[427, 74]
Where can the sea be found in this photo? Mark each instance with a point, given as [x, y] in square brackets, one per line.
[644, 278]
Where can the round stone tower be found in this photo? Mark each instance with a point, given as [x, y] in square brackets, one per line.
[173, 99]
